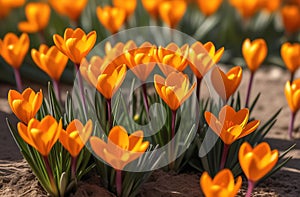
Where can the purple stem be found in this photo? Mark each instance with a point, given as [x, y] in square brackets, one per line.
[41, 35]
[199, 80]
[224, 156]
[73, 167]
[145, 98]
[18, 79]
[119, 182]
[172, 156]
[81, 90]
[50, 173]
[292, 77]
[173, 123]
[251, 185]
[291, 125]
[249, 89]
[57, 91]
[109, 112]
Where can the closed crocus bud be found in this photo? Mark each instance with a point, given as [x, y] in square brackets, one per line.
[75, 44]
[291, 18]
[226, 84]
[14, 49]
[167, 13]
[25, 105]
[258, 161]
[290, 54]
[231, 125]
[75, 136]
[173, 90]
[50, 60]
[210, 8]
[246, 8]
[112, 18]
[70, 8]
[270, 6]
[151, 6]
[254, 53]
[41, 135]
[221, 185]
[120, 149]
[38, 15]
[292, 94]
[128, 5]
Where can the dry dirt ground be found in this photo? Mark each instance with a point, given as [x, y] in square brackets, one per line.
[16, 178]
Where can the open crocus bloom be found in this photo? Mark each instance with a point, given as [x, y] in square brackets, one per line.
[25, 105]
[292, 94]
[221, 185]
[257, 162]
[128, 5]
[231, 125]
[120, 149]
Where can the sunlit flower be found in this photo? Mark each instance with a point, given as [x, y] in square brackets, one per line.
[226, 84]
[75, 44]
[290, 54]
[173, 90]
[7, 5]
[50, 60]
[120, 149]
[172, 58]
[231, 125]
[128, 5]
[210, 8]
[75, 136]
[254, 53]
[270, 6]
[246, 8]
[151, 6]
[14, 49]
[292, 94]
[92, 69]
[291, 18]
[38, 15]
[70, 8]
[167, 13]
[25, 105]
[112, 18]
[41, 135]
[257, 162]
[221, 185]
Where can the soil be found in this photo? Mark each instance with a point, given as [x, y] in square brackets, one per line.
[16, 178]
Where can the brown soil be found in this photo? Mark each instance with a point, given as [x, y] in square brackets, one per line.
[16, 178]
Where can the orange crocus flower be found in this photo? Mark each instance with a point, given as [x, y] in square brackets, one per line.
[141, 61]
[257, 162]
[270, 6]
[290, 54]
[120, 149]
[14, 49]
[25, 105]
[254, 53]
[128, 5]
[50, 60]
[172, 58]
[75, 44]
[221, 185]
[246, 8]
[226, 84]
[75, 136]
[38, 15]
[210, 8]
[231, 125]
[292, 94]
[41, 135]
[291, 18]
[7, 5]
[112, 18]
[174, 90]
[70, 8]
[167, 13]
[92, 69]
[152, 7]
[203, 57]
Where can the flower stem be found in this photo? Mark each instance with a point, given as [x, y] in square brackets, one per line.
[292, 77]
[109, 118]
[50, 174]
[81, 90]
[172, 151]
[119, 182]
[251, 185]
[291, 125]
[145, 98]
[41, 35]
[18, 79]
[224, 156]
[173, 123]
[57, 91]
[73, 167]
[199, 80]
[249, 89]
